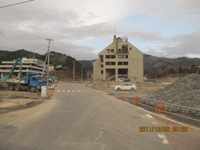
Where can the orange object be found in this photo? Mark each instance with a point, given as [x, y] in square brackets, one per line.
[136, 100]
[50, 94]
[160, 107]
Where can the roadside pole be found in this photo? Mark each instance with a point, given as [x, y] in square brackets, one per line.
[48, 54]
[74, 72]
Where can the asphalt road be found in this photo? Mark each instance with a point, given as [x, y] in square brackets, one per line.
[80, 118]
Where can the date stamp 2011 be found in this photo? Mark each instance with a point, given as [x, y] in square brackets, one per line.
[163, 129]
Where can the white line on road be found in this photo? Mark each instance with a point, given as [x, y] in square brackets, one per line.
[164, 140]
[148, 116]
[155, 123]
[58, 90]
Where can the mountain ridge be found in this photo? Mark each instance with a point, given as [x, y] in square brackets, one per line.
[153, 66]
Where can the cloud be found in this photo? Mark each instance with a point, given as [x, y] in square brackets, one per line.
[146, 36]
[188, 44]
[159, 26]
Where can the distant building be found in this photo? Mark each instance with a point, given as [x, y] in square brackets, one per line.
[28, 65]
[61, 68]
[51, 68]
[119, 59]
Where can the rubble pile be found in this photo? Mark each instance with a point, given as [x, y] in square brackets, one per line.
[182, 96]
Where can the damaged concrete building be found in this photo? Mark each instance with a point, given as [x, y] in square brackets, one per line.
[119, 59]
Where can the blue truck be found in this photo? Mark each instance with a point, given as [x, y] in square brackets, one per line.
[31, 82]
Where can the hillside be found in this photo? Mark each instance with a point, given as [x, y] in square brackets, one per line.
[151, 62]
[160, 66]
[55, 59]
[11, 55]
[154, 67]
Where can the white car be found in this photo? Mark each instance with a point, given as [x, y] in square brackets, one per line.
[121, 79]
[126, 86]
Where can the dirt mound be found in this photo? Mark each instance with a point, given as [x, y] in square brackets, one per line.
[182, 96]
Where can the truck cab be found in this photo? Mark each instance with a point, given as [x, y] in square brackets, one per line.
[35, 83]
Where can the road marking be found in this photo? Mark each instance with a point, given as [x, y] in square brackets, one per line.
[166, 118]
[155, 123]
[148, 116]
[73, 91]
[164, 140]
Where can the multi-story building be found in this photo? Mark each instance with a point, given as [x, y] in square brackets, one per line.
[28, 65]
[119, 59]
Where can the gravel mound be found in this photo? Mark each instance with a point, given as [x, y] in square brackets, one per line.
[182, 96]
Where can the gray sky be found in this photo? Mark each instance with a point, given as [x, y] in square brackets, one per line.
[82, 28]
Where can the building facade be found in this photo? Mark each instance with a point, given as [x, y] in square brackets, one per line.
[28, 65]
[119, 59]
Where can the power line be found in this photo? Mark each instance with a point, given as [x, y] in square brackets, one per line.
[16, 4]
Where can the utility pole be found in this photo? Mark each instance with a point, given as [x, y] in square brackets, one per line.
[74, 68]
[82, 73]
[48, 53]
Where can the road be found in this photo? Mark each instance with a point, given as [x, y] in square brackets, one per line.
[80, 118]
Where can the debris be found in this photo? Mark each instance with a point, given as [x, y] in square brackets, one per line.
[182, 96]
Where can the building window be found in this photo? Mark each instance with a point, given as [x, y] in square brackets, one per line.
[110, 56]
[124, 48]
[122, 63]
[119, 63]
[112, 50]
[101, 71]
[101, 66]
[108, 50]
[110, 63]
[122, 56]
[101, 58]
[119, 51]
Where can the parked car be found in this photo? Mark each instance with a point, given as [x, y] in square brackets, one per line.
[53, 79]
[125, 86]
[121, 79]
[127, 80]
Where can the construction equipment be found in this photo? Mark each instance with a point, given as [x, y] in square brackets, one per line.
[18, 60]
[31, 82]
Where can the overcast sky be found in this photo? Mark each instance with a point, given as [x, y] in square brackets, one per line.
[82, 28]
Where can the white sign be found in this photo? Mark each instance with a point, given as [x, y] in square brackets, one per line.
[44, 91]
